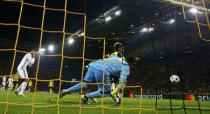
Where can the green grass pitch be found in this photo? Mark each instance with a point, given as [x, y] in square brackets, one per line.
[70, 105]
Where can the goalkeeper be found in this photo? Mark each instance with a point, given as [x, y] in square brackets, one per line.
[117, 91]
[111, 66]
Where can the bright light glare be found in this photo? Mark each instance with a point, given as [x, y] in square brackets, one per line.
[42, 50]
[107, 19]
[70, 41]
[117, 13]
[144, 29]
[51, 48]
[172, 21]
[193, 10]
[81, 34]
[150, 29]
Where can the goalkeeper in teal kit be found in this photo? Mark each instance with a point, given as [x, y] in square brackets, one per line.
[110, 66]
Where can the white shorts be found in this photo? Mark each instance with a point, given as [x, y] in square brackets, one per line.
[3, 84]
[22, 72]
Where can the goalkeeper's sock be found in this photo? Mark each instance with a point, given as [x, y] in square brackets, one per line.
[77, 87]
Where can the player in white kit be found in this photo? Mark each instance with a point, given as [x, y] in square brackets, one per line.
[10, 84]
[28, 60]
[4, 80]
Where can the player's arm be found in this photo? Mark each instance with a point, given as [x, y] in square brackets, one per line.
[31, 59]
[122, 81]
[123, 76]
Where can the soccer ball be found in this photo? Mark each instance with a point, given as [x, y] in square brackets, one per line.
[174, 79]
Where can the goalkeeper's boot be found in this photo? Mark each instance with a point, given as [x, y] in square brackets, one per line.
[84, 99]
[63, 93]
[94, 100]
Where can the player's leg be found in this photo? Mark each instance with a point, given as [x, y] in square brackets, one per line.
[12, 86]
[9, 87]
[73, 88]
[25, 82]
[16, 85]
[23, 74]
[99, 93]
[3, 86]
[51, 90]
[88, 78]
[103, 89]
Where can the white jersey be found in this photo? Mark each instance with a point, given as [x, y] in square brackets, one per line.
[27, 60]
[4, 79]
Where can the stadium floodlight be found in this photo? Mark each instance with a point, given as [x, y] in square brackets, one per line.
[172, 21]
[109, 18]
[51, 48]
[118, 12]
[70, 41]
[150, 29]
[193, 10]
[144, 29]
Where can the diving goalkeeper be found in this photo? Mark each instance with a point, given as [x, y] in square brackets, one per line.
[110, 66]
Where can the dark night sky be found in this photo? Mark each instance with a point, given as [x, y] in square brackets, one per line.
[32, 17]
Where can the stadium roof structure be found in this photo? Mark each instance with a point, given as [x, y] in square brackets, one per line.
[140, 13]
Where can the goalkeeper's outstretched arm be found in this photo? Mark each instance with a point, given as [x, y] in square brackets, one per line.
[122, 81]
[125, 72]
